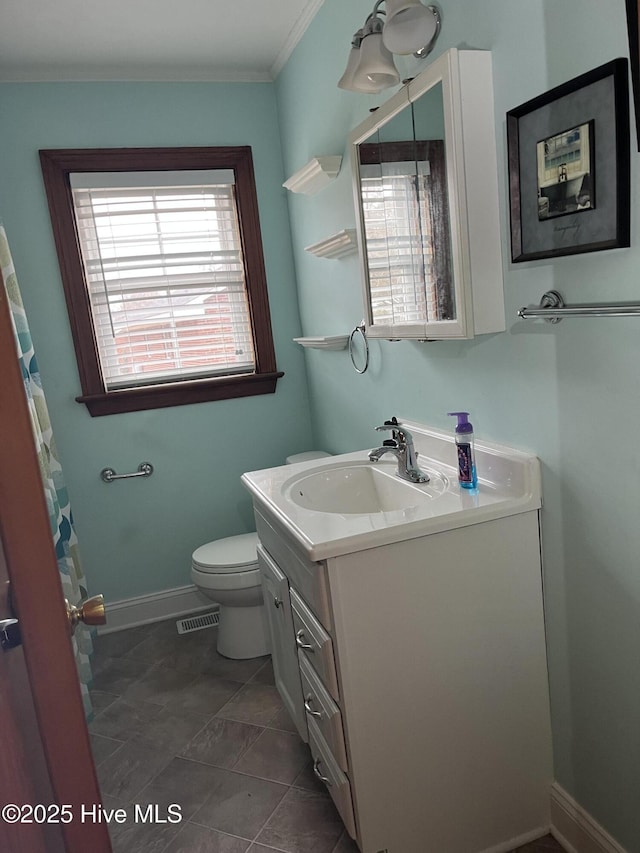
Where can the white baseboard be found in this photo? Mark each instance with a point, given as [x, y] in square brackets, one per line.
[519, 841]
[144, 609]
[575, 829]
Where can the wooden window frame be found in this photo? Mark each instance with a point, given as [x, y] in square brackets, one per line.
[57, 165]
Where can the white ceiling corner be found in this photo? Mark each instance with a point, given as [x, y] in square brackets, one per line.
[147, 40]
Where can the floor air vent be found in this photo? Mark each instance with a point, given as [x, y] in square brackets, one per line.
[197, 623]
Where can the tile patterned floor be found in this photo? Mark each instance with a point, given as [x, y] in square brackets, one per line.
[175, 722]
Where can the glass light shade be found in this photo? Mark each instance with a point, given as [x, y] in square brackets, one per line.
[409, 26]
[375, 70]
[392, 7]
[346, 81]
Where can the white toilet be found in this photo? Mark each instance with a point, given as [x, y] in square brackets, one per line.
[226, 571]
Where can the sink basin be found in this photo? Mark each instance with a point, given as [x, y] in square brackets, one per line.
[360, 489]
[346, 504]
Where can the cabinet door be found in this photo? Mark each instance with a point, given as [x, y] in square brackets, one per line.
[425, 183]
[283, 643]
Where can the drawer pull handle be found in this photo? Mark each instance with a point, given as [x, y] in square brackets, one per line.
[300, 641]
[316, 770]
[308, 708]
[277, 601]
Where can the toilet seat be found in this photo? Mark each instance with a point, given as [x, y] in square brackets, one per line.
[226, 580]
[229, 563]
[234, 554]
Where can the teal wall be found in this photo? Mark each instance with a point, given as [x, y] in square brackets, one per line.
[570, 393]
[137, 536]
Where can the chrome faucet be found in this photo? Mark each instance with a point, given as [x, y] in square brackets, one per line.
[400, 446]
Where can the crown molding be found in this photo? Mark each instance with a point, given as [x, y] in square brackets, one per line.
[295, 35]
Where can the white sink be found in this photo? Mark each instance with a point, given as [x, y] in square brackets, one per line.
[359, 488]
[346, 503]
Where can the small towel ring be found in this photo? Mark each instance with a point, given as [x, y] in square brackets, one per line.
[360, 329]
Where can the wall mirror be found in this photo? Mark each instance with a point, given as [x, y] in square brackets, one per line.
[425, 188]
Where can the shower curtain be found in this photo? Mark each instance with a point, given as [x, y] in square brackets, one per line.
[64, 537]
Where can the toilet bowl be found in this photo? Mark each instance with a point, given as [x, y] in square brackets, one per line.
[226, 571]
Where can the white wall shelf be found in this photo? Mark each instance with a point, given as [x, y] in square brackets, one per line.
[315, 176]
[324, 342]
[337, 246]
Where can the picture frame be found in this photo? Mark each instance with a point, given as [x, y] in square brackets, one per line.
[633, 28]
[569, 166]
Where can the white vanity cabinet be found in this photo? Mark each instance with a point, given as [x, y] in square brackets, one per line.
[412, 641]
[425, 684]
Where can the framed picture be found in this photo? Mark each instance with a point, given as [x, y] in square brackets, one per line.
[569, 165]
[633, 26]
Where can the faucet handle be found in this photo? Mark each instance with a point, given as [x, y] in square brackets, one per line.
[401, 435]
[390, 424]
[395, 439]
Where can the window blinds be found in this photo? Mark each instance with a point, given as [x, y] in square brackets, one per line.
[166, 276]
[399, 246]
[405, 213]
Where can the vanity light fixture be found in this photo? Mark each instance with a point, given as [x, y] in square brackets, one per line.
[410, 27]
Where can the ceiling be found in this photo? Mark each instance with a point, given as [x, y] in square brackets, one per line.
[244, 40]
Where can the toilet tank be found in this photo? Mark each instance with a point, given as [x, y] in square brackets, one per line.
[307, 456]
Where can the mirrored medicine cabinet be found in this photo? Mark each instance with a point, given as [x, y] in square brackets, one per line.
[426, 195]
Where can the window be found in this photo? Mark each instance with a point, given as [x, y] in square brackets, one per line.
[161, 261]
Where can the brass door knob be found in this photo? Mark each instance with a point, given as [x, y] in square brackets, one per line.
[91, 612]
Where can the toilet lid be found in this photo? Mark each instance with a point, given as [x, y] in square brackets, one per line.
[232, 554]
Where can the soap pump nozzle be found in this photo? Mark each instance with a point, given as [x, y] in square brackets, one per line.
[463, 421]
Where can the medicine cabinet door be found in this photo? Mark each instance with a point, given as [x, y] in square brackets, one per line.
[412, 188]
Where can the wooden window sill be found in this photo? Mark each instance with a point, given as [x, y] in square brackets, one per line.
[179, 393]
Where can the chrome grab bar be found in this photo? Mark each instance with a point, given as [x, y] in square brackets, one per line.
[553, 309]
[108, 475]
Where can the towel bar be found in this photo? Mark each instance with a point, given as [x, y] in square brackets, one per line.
[553, 309]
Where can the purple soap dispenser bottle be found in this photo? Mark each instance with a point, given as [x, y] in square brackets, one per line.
[467, 476]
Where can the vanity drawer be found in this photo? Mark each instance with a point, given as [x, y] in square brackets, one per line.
[313, 640]
[309, 578]
[329, 773]
[325, 713]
